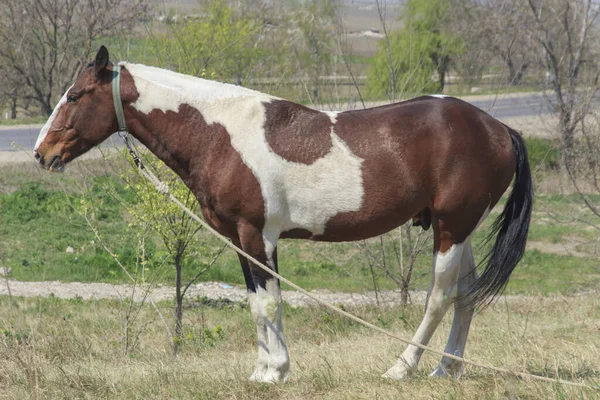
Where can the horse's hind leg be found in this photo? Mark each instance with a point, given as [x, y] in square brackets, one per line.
[448, 250]
[463, 314]
[264, 297]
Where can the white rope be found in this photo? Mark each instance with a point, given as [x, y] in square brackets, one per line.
[163, 188]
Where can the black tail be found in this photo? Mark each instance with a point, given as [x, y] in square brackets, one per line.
[510, 229]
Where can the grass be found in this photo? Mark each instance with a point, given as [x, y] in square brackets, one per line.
[40, 220]
[63, 349]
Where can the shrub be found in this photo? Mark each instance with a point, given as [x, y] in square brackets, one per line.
[543, 154]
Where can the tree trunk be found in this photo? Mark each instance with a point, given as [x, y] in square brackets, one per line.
[404, 293]
[13, 108]
[515, 75]
[567, 133]
[178, 305]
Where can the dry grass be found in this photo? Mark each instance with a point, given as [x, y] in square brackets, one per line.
[52, 348]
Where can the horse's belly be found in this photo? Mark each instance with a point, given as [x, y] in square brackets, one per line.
[359, 226]
[369, 221]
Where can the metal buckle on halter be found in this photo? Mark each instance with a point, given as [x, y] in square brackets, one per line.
[122, 132]
[127, 140]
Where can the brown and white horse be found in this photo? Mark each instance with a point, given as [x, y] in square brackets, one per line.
[264, 168]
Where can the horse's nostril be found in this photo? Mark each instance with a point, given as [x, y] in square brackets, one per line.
[36, 155]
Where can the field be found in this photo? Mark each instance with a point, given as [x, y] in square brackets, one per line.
[560, 257]
[53, 348]
[64, 349]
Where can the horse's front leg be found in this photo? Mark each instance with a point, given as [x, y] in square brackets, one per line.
[264, 297]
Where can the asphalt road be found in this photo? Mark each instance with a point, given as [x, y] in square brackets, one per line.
[24, 138]
[529, 105]
[512, 107]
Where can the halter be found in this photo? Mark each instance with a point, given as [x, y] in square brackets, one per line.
[122, 132]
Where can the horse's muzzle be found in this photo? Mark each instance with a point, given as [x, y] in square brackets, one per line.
[55, 164]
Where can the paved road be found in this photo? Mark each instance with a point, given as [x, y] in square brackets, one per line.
[529, 105]
[24, 138]
[524, 105]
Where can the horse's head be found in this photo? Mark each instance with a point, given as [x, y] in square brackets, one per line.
[83, 118]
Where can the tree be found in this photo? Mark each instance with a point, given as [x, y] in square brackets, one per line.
[563, 34]
[174, 227]
[222, 41]
[395, 254]
[44, 44]
[417, 58]
[496, 28]
[316, 20]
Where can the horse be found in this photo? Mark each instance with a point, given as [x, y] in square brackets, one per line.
[263, 169]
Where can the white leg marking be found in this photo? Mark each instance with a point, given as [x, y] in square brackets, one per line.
[262, 363]
[442, 293]
[462, 318]
[462, 313]
[273, 364]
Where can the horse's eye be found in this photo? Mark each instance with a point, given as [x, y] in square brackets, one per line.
[72, 99]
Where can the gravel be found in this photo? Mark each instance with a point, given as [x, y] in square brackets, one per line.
[210, 290]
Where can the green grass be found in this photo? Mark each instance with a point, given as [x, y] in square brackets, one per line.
[40, 219]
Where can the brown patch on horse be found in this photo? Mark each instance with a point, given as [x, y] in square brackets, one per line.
[202, 155]
[417, 167]
[396, 181]
[297, 133]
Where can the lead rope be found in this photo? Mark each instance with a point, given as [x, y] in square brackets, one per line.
[163, 188]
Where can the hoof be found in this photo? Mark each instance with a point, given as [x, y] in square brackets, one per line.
[269, 376]
[453, 371]
[398, 372]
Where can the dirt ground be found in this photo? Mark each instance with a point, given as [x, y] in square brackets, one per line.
[210, 290]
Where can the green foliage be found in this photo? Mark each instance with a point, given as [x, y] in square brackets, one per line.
[221, 41]
[316, 19]
[543, 154]
[30, 202]
[34, 242]
[156, 211]
[18, 338]
[415, 59]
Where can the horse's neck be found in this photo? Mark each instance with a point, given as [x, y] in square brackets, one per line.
[172, 138]
[183, 120]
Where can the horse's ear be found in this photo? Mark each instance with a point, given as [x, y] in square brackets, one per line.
[101, 60]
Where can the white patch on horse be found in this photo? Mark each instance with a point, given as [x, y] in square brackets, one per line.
[296, 195]
[179, 89]
[332, 116]
[440, 96]
[48, 124]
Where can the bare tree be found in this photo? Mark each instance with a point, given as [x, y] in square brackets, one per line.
[11, 90]
[316, 20]
[499, 30]
[563, 33]
[554, 37]
[45, 43]
[395, 255]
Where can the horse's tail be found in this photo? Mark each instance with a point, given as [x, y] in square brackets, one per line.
[510, 229]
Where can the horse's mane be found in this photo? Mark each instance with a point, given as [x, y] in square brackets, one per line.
[188, 85]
